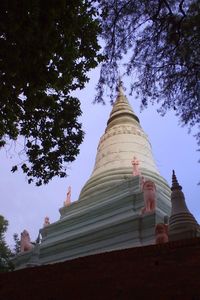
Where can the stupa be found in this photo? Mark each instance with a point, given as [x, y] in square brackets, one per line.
[119, 205]
[182, 224]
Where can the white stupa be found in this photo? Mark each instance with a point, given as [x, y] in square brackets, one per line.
[110, 213]
[123, 139]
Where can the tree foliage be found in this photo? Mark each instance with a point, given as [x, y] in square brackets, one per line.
[162, 40]
[46, 50]
[16, 249]
[5, 252]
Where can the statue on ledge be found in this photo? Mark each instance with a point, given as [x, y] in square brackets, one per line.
[68, 198]
[25, 243]
[149, 192]
[46, 222]
[161, 233]
[135, 163]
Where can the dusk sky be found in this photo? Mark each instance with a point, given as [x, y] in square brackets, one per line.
[25, 206]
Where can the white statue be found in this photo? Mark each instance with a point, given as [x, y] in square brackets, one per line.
[68, 198]
[161, 233]
[46, 222]
[135, 163]
[149, 192]
[25, 243]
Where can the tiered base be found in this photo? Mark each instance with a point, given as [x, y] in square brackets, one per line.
[103, 222]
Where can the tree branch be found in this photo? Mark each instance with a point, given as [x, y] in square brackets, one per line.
[181, 8]
[169, 8]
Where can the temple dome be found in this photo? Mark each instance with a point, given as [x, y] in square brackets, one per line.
[123, 139]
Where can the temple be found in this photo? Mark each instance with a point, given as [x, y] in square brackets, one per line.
[120, 205]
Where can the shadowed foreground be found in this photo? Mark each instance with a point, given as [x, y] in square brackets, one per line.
[167, 271]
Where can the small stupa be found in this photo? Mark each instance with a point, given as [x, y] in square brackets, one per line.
[182, 224]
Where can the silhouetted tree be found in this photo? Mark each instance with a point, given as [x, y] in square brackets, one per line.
[162, 40]
[46, 50]
[5, 252]
[16, 249]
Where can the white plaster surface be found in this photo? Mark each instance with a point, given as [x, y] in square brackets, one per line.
[123, 139]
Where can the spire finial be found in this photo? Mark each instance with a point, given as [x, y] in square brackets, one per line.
[120, 87]
[175, 184]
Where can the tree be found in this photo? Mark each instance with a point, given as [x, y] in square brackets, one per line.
[161, 38]
[5, 252]
[46, 50]
[17, 244]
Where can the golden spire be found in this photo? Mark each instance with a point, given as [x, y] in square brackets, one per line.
[121, 113]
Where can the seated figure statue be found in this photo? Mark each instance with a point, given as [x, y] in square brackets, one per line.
[25, 243]
[161, 233]
[149, 192]
[46, 222]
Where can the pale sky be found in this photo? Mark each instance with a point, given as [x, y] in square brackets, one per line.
[25, 206]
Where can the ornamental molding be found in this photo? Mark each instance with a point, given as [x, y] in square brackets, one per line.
[117, 130]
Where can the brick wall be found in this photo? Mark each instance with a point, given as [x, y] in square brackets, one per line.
[168, 271]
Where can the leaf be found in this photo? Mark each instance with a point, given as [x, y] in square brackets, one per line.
[14, 169]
